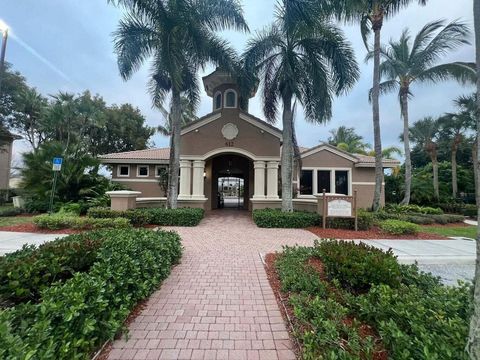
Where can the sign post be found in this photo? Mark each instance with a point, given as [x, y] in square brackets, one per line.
[340, 206]
[57, 166]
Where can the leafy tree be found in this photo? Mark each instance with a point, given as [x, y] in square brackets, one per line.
[13, 84]
[301, 57]
[77, 179]
[406, 62]
[473, 343]
[179, 36]
[347, 139]
[370, 14]
[425, 133]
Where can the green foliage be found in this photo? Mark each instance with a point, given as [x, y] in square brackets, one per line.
[296, 274]
[416, 209]
[275, 218]
[77, 316]
[415, 316]
[365, 221]
[69, 221]
[418, 324]
[175, 217]
[11, 211]
[357, 267]
[25, 273]
[137, 217]
[399, 227]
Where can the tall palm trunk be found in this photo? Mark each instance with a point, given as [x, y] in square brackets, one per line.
[473, 344]
[377, 26]
[174, 162]
[454, 169]
[436, 188]
[287, 154]
[406, 143]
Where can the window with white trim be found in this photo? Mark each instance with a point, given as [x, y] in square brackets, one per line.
[160, 170]
[314, 181]
[142, 170]
[123, 170]
[230, 99]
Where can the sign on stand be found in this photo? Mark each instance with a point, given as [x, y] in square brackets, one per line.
[57, 166]
[340, 206]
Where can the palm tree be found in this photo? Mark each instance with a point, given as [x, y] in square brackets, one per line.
[304, 59]
[453, 127]
[179, 38]
[347, 139]
[405, 63]
[387, 152]
[473, 343]
[425, 134]
[187, 116]
[371, 14]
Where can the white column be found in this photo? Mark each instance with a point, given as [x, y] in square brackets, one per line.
[259, 188]
[198, 179]
[185, 179]
[272, 180]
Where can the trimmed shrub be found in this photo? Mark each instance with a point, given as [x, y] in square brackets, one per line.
[26, 272]
[68, 221]
[399, 227]
[175, 217]
[76, 317]
[358, 266]
[470, 210]
[137, 217]
[11, 211]
[416, 209]
[419, 219]
[365, 221]
[275, 218]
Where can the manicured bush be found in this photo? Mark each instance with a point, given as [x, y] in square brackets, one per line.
[26, 272]
[470, 210]
[358, 266]
[175, 217]
[365, 221]
[275, 218]
[137, 217]
[415, 209]
[419, 219]
[399, 227]
[76, 317]
[68, 221]
[11, 211]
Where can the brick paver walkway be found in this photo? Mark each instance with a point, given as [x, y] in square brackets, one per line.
[217, 304]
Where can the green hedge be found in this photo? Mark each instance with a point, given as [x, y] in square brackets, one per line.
[275, 218]
[76, 317]
[357, 267]
[11, 211]
[415, 209]
[365, 221]
[26, 272]
[417, 218]
[154, 216]
[415, 316]
[398, 227]
[69, 221]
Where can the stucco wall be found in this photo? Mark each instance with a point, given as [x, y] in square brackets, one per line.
[148, 186]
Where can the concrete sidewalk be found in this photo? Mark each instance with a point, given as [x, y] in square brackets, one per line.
[12, 241]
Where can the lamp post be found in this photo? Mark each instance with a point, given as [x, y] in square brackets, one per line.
[4, 31]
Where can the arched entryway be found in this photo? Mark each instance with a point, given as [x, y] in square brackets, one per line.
[231, 181]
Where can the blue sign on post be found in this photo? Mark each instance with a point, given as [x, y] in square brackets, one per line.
[57, 164]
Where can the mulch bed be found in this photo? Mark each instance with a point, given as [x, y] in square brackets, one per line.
[374, 233]
[32, 228]
[287, 310]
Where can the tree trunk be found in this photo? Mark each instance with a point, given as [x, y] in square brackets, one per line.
[436, 189]
[376, 119]
[406, 143]
[473, 344]
[287, 155]
[174, 162]
[454, 172]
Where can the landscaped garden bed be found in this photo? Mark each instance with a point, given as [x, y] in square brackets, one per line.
[64, 299]
[348, 301]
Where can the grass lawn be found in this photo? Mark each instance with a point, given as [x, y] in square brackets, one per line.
[15, 220]
[462, 231]
[6, 206]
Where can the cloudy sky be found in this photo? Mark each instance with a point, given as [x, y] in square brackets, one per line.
[67, 45]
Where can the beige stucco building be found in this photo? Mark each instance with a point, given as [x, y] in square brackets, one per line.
[230, 149]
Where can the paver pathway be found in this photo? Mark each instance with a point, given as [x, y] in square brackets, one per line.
[217, 304]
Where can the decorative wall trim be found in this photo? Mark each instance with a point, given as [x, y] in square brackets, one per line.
[200, 123]
[136, 180]
[261, 126]
[230, 150]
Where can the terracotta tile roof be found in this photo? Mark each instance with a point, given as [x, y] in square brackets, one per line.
[371, 159]
[147, 154]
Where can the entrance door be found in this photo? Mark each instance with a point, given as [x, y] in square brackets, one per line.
[231, 192]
